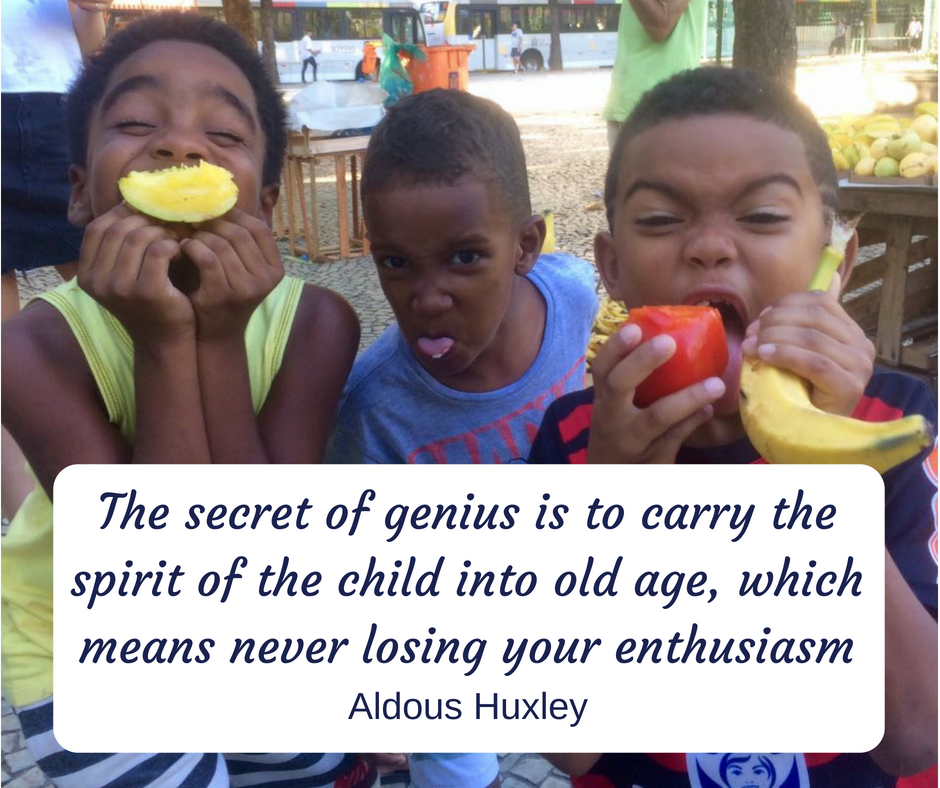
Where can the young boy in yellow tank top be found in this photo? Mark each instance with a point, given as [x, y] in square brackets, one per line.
[176, 344]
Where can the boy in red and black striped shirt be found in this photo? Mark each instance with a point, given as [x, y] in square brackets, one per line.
[721, 190]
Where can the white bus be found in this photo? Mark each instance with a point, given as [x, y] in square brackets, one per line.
[340, 29]
[588, 31]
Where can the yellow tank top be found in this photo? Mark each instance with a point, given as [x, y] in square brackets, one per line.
[26, 550]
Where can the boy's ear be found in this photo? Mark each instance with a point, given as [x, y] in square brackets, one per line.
[848, 262]
[605, 258]
[529, 238]
[269, 195]
[79, 210]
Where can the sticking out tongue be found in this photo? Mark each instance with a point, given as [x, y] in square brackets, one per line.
[435, 348]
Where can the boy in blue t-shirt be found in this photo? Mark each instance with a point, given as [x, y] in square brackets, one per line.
[487, 331]
[721, 189]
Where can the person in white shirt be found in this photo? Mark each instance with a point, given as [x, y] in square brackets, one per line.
[515, 38]
[310, 52]
[914, 32]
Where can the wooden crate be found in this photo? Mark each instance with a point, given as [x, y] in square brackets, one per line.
[297, 216]
[893, 292]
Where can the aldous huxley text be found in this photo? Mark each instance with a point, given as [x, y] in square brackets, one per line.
[475, 608]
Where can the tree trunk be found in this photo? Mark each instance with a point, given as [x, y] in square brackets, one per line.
[554, 52]
[268, 49]
[238, 15]
[765, 38]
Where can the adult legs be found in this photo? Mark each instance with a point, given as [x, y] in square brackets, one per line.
[309, 61]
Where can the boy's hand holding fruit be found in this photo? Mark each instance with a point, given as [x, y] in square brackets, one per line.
[655, 381]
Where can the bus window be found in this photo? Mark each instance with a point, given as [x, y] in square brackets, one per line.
[326, 23]
[463, 21]
[513, 13]
[575, 19]
[613, 17]
[484, 26]
[404, 27]
[363, 23]
[283, 24]
[539, 21]
[434, 13]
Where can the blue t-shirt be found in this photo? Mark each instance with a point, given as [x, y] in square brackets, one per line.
[393, 411]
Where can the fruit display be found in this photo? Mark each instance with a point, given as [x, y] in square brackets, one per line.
[181, 194]
[886, 146]
[785, 427]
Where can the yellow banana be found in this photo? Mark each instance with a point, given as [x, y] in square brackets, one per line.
[548, 245]
[785, 427]
[926, 108]
[881, 128]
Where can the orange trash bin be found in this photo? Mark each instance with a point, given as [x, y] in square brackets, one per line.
[445, 67]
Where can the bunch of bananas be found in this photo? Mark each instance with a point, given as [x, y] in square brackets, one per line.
[609, 318]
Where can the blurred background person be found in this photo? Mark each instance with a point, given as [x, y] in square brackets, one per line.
[655, 39]
[42, 44]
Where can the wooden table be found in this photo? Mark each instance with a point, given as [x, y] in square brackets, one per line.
[297, 216]
[896, 292]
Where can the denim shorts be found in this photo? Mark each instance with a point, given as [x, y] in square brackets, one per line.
[35, 184]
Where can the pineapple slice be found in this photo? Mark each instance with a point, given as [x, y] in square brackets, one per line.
[181, 194]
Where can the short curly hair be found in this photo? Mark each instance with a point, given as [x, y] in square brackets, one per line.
[441, 136]
[89, 87]
[714, 90]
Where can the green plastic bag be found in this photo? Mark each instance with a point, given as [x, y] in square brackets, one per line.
[393, 76]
